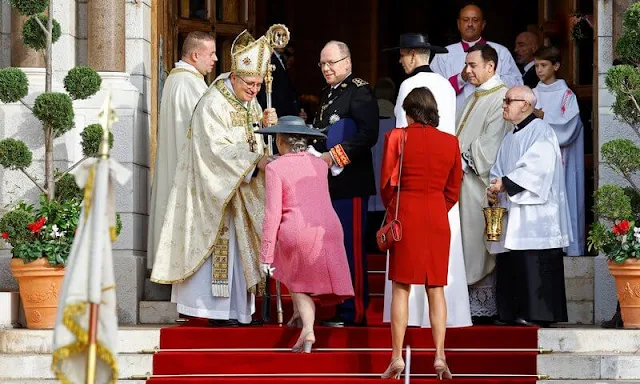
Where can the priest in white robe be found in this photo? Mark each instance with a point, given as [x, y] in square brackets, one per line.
[182, 90]
[471, 23]
[528, 178]
[415, 52]
[558, 106]
[209, 244]
[480, 129]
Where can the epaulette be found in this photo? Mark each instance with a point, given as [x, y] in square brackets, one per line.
[359, 82]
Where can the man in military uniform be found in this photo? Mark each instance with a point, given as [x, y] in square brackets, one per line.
[349, 97]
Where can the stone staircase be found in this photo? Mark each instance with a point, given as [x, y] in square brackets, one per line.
[580, 355]
[589, 356]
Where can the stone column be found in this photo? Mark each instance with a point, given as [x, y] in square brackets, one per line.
[106, 35]
[21, 55]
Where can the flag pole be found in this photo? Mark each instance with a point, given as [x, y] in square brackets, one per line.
[92, 351]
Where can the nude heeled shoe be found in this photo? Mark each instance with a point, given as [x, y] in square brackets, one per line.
[442, 369]
[304, 343]
[395, 368]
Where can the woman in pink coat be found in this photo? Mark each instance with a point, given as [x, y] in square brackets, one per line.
[302, 239]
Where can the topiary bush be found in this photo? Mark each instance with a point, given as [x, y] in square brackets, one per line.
[617, 235]
[53, 109]
[91, 139]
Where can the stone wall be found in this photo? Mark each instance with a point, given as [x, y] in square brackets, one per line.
[131, 100]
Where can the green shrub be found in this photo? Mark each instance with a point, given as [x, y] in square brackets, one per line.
[612, 203]
[82, 83]
[67, 189]
[33, 35]
[15, 224]
[29, 7]
[91, 139]
[55, 110]
[14, 85]
[622, 155]
[14, 154]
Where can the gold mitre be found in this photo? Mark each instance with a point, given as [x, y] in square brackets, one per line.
[251, 57]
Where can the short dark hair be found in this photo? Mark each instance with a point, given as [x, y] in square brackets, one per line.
[193, 41]
[487, 52]
[548, 53]
[421, 106]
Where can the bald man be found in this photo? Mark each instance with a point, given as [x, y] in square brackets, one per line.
[526, 45]
[471, 24]
[528, 180]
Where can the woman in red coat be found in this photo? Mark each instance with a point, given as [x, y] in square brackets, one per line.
[429, 187]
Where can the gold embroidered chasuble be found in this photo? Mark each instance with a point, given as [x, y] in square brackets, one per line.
[213, 182]
[480, 129]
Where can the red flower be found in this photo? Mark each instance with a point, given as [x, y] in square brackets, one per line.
[621, 228]
[5, 235]
[36, 226]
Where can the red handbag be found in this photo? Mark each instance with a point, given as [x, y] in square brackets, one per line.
[392, 231]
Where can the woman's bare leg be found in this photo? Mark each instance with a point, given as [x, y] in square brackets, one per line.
[438, 318]
[399, 316]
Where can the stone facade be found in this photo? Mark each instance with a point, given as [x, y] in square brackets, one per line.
[590, 288]
[131, 99]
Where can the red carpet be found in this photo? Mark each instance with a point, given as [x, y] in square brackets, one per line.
[256, 354]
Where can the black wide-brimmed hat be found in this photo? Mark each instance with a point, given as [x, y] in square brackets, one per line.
[293, 125]
[416, 40]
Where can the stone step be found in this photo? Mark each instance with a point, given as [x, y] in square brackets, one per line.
[590, 366]
[589, 340]
[156, 292]
[38, 366]
[31, 341]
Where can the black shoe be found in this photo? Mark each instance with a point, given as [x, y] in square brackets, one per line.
[501, 322]
[523, 322]
[482, 320]
[615, 322]
[224, 323]
[336, 322]
[253, 323]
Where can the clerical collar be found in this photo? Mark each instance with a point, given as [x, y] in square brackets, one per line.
[184, 65]
[422, 68]
[555, 86]
[468, 44]
[492, 82]
[524, 123]
[528, 66]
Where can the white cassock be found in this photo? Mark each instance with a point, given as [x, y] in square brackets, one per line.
[561, 112]
[456, 291]
[537, 217]
[451, 64]
[182, 90]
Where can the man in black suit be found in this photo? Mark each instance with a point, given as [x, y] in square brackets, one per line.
[349, 97]
[283, 95]
[526, 45]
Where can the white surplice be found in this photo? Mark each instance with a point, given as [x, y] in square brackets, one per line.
[456, 291]
[561, 112]
[451, 64]
[182, 90]
[538, 216]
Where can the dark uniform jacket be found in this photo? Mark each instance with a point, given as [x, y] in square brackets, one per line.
[353, 99]
[283, 95]
[529, 78]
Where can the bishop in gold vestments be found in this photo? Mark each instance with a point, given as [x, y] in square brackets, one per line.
[210, 240]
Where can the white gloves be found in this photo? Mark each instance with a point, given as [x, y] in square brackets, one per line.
[267, 269]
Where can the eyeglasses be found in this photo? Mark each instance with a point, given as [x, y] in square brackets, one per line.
[330, 63]
[250, 85]
[508, 101]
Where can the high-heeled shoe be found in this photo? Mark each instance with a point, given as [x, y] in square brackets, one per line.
[304, 343]
[295, 321]
[442, 369]
[395, 368]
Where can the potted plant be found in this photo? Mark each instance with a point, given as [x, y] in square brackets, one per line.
[617, 234]
[41, 236]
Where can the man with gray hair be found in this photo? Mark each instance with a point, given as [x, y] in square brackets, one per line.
[348, 101]
[528, 180]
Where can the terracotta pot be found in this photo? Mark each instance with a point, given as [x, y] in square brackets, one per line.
[627, 277]
[39, 284]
